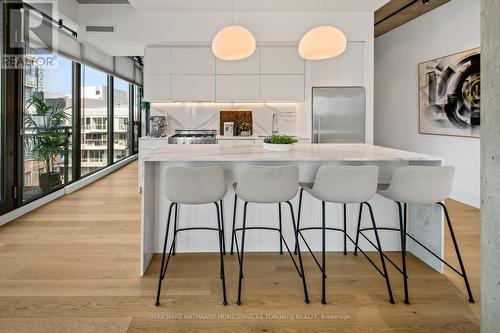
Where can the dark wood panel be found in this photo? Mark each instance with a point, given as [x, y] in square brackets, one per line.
[398, 12]
[237, 117]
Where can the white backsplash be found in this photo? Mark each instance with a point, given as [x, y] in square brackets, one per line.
[206, 115]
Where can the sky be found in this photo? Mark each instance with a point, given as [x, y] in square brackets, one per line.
[58, 78]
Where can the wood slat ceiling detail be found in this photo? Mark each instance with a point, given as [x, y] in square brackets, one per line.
[398, 12]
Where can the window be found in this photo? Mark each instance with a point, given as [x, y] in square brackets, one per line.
[47, 122]
[121, 112]
[94, 122]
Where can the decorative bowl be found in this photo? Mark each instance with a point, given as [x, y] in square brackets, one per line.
[277, 147]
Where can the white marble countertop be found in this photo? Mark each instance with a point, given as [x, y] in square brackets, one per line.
[300, 152]
[254, 137]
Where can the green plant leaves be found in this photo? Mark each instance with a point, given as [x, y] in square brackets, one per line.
[281, 139]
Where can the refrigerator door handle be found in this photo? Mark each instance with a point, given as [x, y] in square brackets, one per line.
[318, 130]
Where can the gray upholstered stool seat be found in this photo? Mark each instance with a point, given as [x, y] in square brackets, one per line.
[421, 185]
[265, 185]
[194, 186]
[342, 185]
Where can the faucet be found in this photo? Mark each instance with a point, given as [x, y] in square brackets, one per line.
[275, 123]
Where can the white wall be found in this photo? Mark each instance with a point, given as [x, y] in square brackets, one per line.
[451, 28]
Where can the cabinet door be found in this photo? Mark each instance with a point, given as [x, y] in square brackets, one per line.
[241, 88]
[250, 65]
[282, 88]
[352, 64]
[192, 60]
[193, 88]
[157, 60]
[325, 72]
[281, 60]
[344, 70]
[157, 88]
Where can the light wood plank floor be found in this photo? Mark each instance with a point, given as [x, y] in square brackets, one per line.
[72, 266]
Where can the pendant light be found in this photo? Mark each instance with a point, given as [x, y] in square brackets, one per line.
[233, 42]
[322, 42]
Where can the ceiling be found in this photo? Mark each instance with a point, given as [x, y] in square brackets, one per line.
[398, 12]
[186, 6]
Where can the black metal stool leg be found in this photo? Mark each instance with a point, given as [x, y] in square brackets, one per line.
[233, 234]
[357, 231]
[160, 278]
[281, 235]
[457, 251]
[298, 222]
[402, 225]
[222, 228]
[382, 259]
[176, 214]
[304, 284]
[345, 229]
[323, 259]
[242, 251]
[221, 254]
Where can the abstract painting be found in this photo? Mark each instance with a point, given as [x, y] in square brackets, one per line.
[450, 95]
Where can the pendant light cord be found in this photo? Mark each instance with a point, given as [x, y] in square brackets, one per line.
[232, 12]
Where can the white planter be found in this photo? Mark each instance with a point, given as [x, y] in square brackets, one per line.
[277, 147]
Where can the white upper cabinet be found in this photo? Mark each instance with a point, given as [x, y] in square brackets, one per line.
[193, 60]
[282, 88]
[187, 88]
[281, 60]
[250, 65]
[157, 88]
[157, 61]
[344, 70]
[242, 88]
[351, 64]
[193, 74]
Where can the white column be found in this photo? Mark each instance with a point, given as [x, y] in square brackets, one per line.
[490, 166]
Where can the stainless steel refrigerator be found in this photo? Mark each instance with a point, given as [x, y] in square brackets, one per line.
[338, 114]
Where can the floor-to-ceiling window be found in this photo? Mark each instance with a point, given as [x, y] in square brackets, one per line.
[121, 121]
[94, 119]
[47, 120]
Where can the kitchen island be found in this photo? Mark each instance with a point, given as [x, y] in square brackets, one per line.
[425, 222]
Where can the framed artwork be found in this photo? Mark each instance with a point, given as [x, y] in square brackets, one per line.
[450, 95]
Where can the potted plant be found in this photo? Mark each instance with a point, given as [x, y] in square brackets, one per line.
[245, 129]
[279, 142]
[46, 136]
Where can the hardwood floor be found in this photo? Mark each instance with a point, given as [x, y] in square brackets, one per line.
[72, 266]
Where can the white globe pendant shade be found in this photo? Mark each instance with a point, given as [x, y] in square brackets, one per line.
[233, 43]
[322, 43]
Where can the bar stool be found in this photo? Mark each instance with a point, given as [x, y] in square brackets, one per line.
[193, 186]
[342, 185]
[266, 185]
[421, 185]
